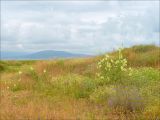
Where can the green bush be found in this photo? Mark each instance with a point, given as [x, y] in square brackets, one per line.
[113, 70]
[74, 85]
[102, 93]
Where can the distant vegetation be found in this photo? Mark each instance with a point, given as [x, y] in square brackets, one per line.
[122, 85]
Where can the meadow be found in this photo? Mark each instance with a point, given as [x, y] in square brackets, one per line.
[122, 85]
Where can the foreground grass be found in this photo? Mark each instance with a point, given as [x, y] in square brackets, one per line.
[69, 89]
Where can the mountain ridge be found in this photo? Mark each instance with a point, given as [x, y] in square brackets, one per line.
[44, 54]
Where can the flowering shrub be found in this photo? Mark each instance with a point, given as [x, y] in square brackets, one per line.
[113, 70]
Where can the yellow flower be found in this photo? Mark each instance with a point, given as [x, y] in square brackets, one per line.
[122, 68]
[130, 69]
[130, 74]
[44, 70]
[20, 72]
[108, 65]
[102, 77]
[98, 74]
[107, 56]
[31, 68]
[100, 66]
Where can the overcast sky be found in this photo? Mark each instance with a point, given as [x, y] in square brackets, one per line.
[80, 27]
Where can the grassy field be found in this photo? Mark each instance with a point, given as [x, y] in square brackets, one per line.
[71, 89]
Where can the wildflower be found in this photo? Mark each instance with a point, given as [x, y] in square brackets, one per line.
[107, 56]
[44, 70]
[20, 72]
[102, 77]
[31, 68]
[125, 61]
[99, 63]
[108, 65]
[130, 74]
[130, 69]
[117, 61]
[98, 74]
[122, 68]
[100, 66]
[102, 60]
[120, 55]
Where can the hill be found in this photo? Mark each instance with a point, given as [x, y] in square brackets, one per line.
[54, 89]
[142, 55]
[42, 55]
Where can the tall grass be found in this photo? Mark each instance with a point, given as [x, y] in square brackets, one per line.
[70, 89]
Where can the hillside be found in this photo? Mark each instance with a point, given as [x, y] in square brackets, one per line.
[142, 55]
[137, 56]
[72, 89]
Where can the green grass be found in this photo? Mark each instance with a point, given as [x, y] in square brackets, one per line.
[13, 66]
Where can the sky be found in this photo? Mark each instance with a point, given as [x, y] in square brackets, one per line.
[88, 27]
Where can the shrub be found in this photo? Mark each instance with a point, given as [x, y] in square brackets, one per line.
[126, 100]
[74, 85]
[113, 70]
[102, 93]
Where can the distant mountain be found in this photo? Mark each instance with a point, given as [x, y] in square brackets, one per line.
[47, 54]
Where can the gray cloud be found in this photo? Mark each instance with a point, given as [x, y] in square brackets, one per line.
[85, 27]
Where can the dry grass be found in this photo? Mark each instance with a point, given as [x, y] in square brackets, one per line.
[37, 95]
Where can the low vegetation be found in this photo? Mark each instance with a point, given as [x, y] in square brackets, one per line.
[122, 85]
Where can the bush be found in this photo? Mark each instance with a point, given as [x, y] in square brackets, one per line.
[75, 86]
[113, 70]
[126, 100]
[102, 93]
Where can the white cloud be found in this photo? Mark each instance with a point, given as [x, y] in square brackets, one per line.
[87, 27]
[20, 46]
